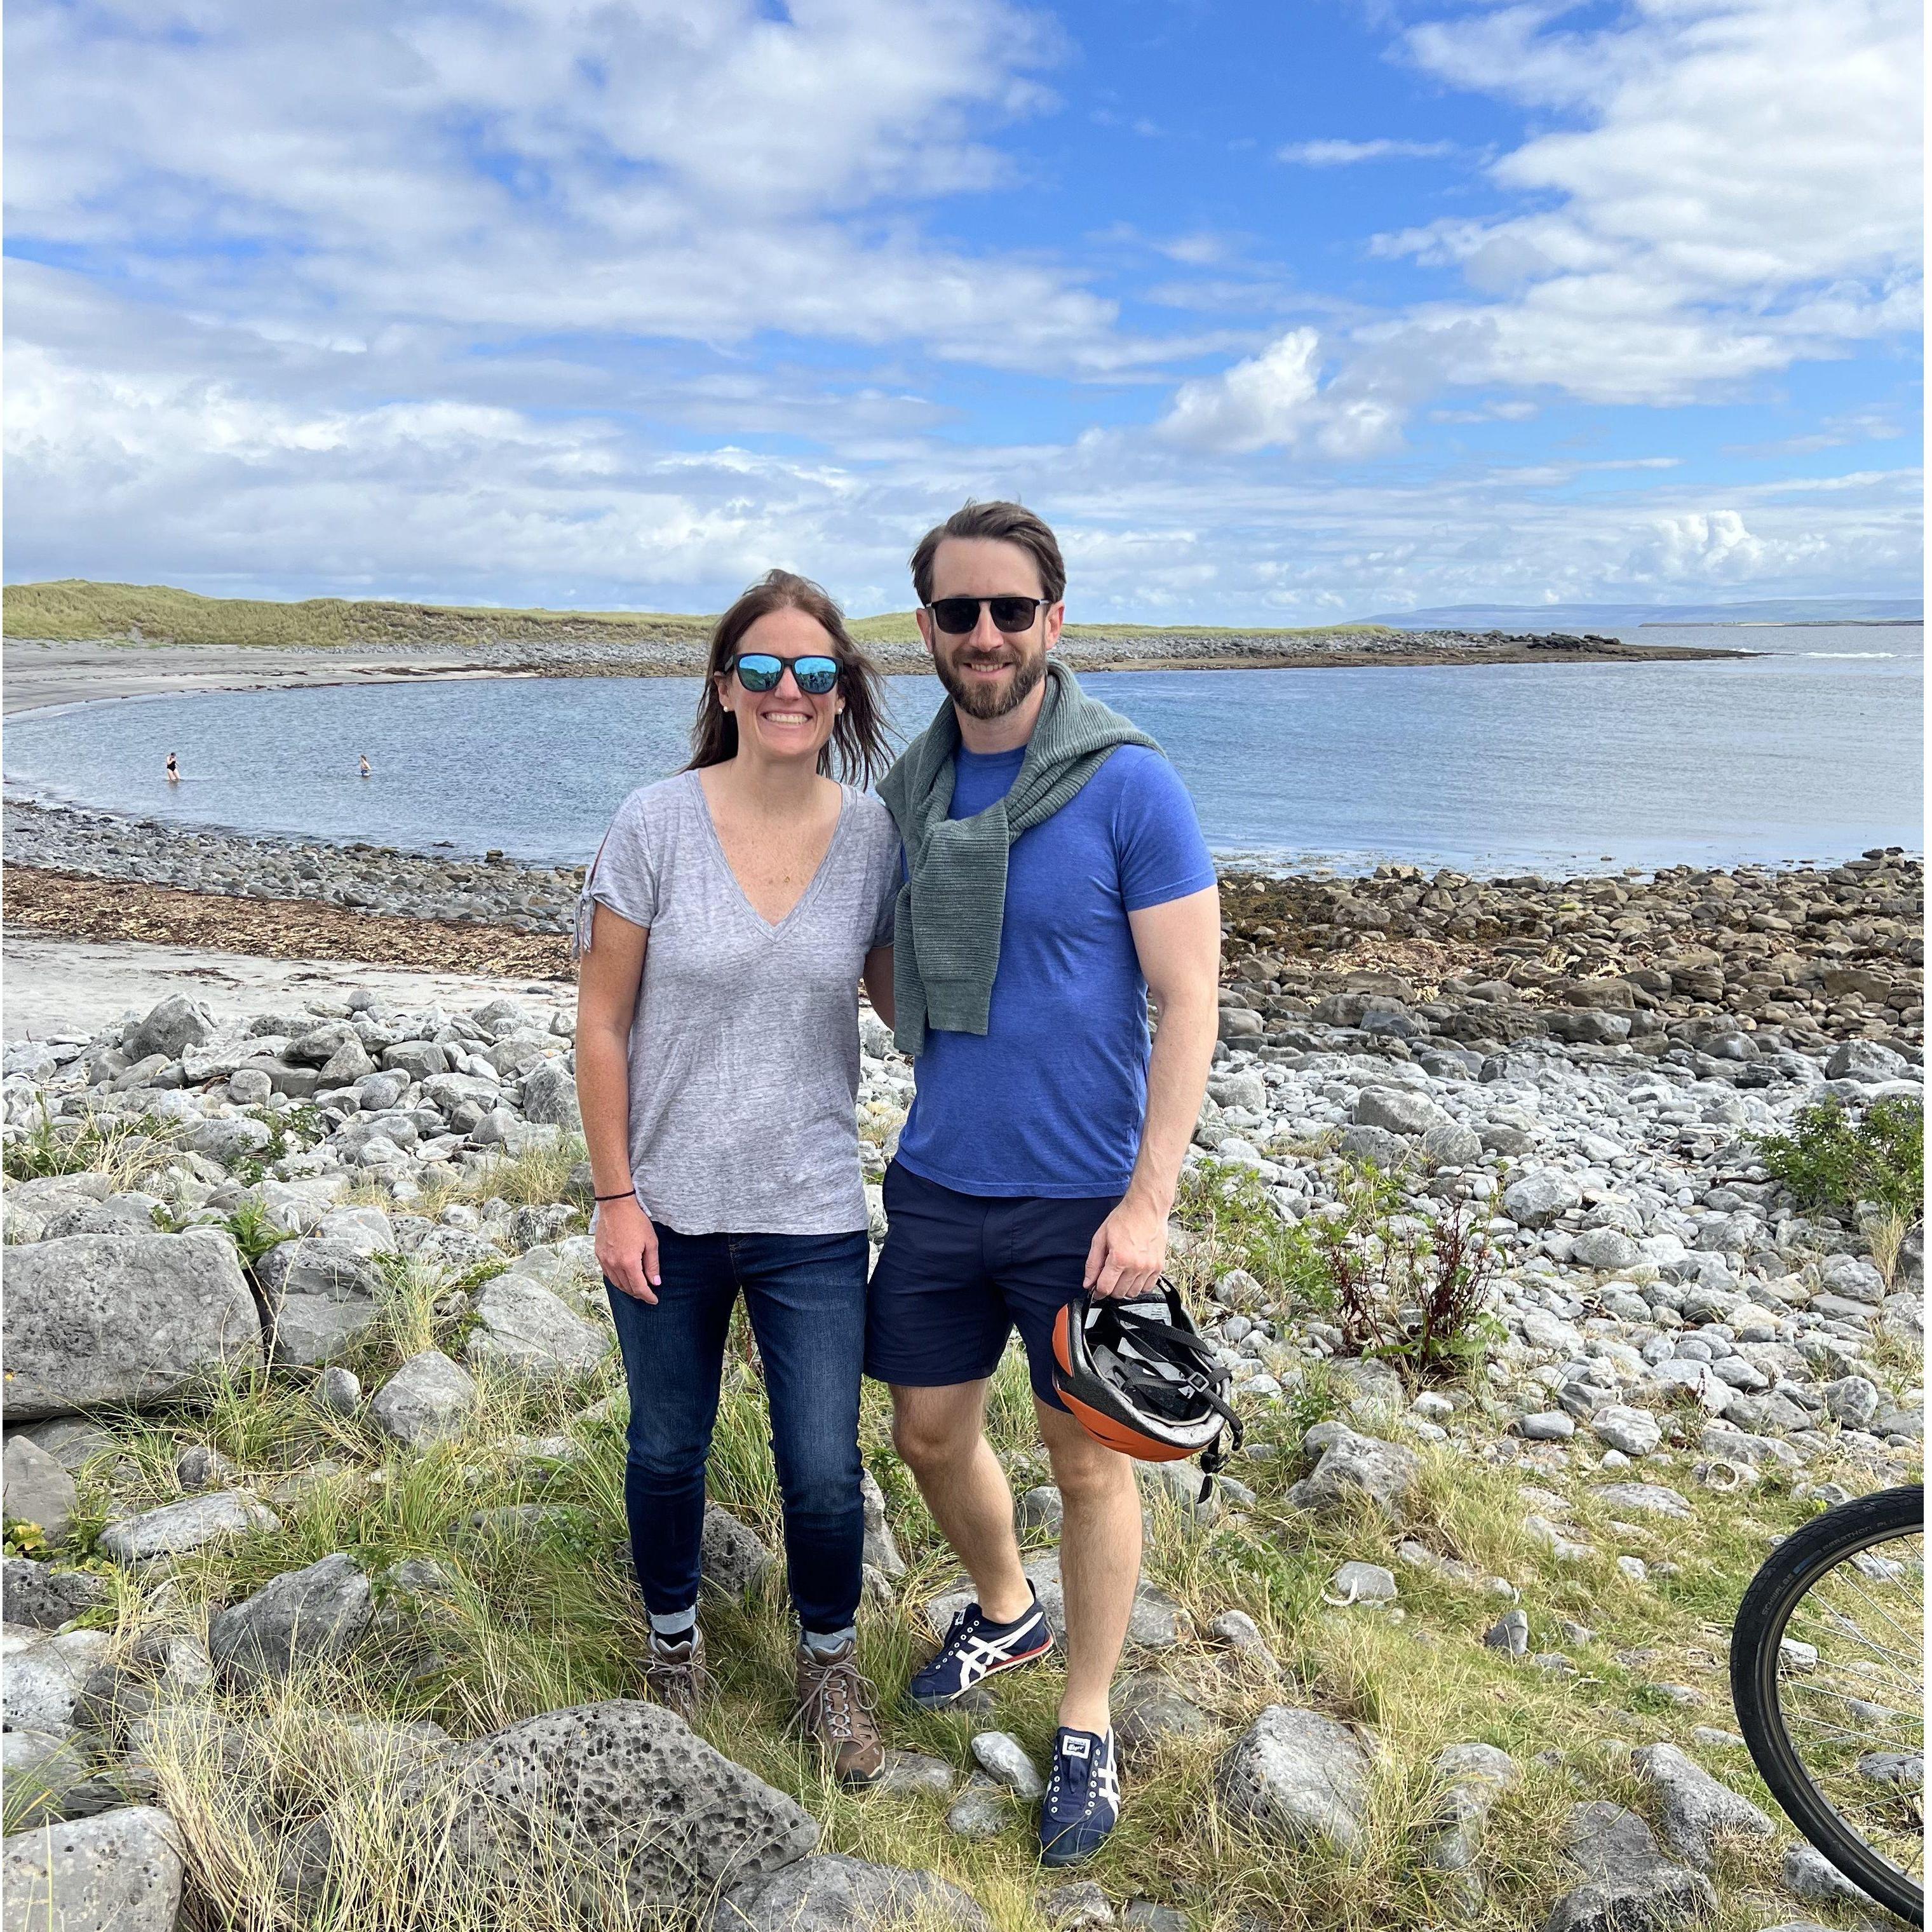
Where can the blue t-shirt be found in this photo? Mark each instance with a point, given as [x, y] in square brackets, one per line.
[1050, 1100]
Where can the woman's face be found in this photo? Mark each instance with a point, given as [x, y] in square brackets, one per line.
[784, 722]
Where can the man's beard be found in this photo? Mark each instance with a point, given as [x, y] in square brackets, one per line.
[990, 700]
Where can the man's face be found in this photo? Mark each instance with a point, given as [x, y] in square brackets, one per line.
[988, 672]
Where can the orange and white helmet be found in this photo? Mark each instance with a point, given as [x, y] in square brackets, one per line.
[1140, 1378]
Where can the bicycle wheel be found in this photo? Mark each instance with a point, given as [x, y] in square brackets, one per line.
[1827, 1677]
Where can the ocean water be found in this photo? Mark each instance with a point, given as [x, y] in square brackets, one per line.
[1812, 751]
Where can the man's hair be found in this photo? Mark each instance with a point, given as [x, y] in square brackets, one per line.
[1005, 523]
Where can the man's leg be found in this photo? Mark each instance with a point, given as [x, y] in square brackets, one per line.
[1099, 1562]
[940, 1434]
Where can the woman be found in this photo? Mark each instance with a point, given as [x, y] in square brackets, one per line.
[724, 926]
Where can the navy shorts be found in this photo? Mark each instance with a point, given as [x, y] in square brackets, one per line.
[960, 1272]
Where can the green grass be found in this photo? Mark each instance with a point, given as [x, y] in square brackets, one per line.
[74, 609]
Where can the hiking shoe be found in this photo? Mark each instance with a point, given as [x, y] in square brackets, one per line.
[836, 1705]
[676, 1676]
[976, 1649]
[1082, 1803]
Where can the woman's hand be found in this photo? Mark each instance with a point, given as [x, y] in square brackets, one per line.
[627, 1248]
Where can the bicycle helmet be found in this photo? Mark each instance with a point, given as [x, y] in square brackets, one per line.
[1140, 1378]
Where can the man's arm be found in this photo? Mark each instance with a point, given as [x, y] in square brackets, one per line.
[1179, 944]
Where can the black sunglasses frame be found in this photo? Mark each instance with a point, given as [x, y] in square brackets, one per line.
[1034, 605]
[789, 665]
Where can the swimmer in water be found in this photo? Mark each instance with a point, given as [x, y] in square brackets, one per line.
[365, 771]
[174, 770]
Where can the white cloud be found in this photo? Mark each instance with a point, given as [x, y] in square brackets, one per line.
[1276, 400]
[1346, 154]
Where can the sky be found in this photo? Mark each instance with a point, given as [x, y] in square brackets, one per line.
[1280, 312]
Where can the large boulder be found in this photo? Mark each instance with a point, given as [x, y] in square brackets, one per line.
[170, 1029]
[323, 1295]
[1398, 1110]
[44, 1676]
[1536, 1199]
[1696, 1810]
[831, 1892]
[550, 1096]
[427, 1399]
[174, 1528]
[1297, 1776]
[522, 1325]
[119, 1872]
[34, 1488]
[626, 1786]
[324, 1610]
[32, 1595]
[133, 1320]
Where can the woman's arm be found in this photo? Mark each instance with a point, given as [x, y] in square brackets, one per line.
[608, 976]
[878, 982]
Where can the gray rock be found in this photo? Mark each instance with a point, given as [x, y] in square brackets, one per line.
[323, 1611]
[1452, 1145]
[1041, 1509]
[120, 1872]
[1003, 1759]
[36, 1489]
[831, 1892]
[1645, 1498]
[1810, 1874]
[170, 1029]
[1149, 1707]
[338, 1392]
[907, 1772]
[1629, 1886]
[1356, 1582]
[1354, 1466]
[1536, 1199]
[193, 1523]
[1297, 1776]
[735, 1557]
[1399, 1110]
[1509, 1633]
[882, 1551]
[550, 1096]
[526, 1327]
[323, 1297]
[1852, 1401]
[44, 1676]
[1549, 1425]
[1603, 1248]
[130, 1320]
[1863, 1060]
[981, 1810]
[427, 1399]
[626, 1786]
[199, 1467]
[1474, 1777]
[34, 1595]
[47, 1777]
[1143, 1915]
[1377, 1146]
[1635, 1432]
[1696, 1809]
[1075, 1907]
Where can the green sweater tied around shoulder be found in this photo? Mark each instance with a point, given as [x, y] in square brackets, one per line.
[946, 935]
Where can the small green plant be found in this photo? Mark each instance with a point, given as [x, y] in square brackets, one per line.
[1227, 1205]
[1836, 1160]
[126, 1147]
[27, 1539]
[255, 1234]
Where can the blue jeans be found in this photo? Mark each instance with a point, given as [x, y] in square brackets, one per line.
[806, 1296]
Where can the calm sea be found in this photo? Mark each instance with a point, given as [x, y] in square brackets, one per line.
[1812, 751]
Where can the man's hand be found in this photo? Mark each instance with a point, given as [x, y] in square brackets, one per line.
[1129, 1250]
[627, 1248]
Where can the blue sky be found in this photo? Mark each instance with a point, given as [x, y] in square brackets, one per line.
[1280, 313]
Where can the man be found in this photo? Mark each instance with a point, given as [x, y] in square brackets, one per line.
[1055, 877]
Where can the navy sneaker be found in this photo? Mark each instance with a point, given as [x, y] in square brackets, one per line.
[975, 1649]
[1082, 1803]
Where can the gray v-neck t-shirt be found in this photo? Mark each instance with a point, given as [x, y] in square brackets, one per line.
[744, 1059]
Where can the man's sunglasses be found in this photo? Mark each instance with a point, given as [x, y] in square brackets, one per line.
[758, 670]
[957, 616]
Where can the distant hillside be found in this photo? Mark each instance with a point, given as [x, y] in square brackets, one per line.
[74, 611]
[1599, 617]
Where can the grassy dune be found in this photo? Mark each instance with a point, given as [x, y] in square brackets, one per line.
[74, 610]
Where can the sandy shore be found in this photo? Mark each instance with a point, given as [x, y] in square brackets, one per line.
[37, 675]
[68, 985]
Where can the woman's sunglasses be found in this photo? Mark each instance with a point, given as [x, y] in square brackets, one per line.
[957, 616]
[759, 671]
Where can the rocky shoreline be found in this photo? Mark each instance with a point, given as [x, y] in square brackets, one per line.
[41, 672]
[1728, 963]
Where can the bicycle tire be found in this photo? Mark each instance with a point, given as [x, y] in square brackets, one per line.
[1800, 1561]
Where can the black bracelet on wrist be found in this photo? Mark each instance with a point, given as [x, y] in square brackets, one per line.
[629, 1193]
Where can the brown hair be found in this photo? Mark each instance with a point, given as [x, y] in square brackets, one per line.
[856, 751]
[1005, 523]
